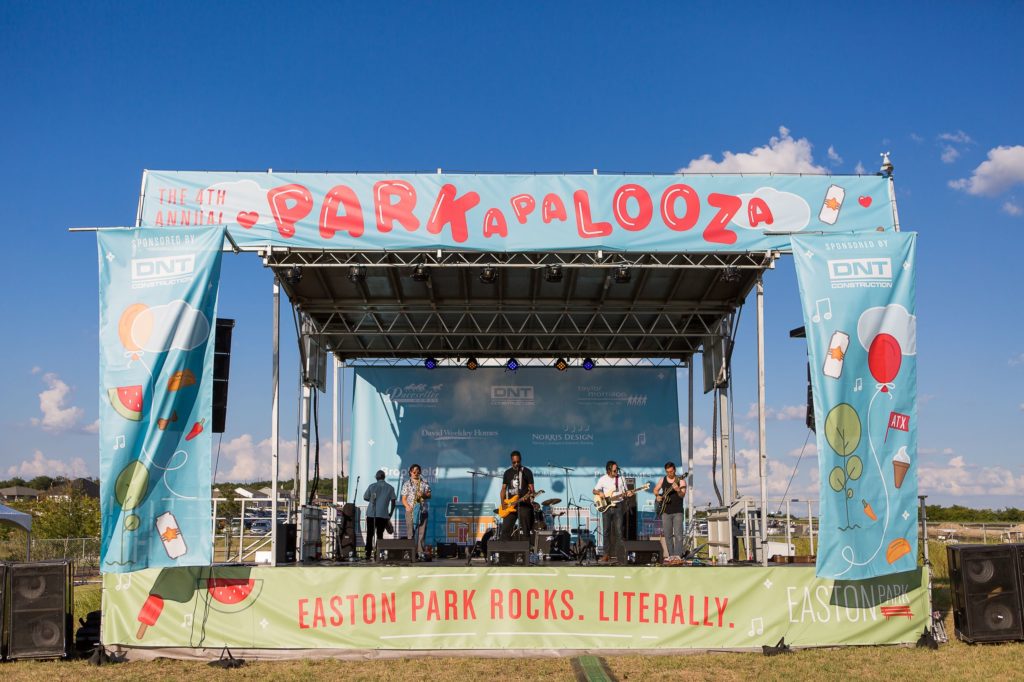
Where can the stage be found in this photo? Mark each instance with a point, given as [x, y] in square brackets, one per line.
[287, 611]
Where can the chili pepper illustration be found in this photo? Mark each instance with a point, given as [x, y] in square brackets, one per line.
[869, 511]
[197, 428]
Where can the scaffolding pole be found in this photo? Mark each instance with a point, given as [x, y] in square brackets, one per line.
[275, 421]
[762, 446]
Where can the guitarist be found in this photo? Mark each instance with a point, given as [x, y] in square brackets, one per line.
[518, 480]
[669, 495]
[609, 485]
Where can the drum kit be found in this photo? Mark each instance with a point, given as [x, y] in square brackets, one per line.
[553, 538]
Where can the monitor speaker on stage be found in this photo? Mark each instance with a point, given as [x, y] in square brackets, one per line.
[447, 550]
[221, 370]
[643, 552]
[396, 551]
[39, 615]
[509, 552]
[630, 517]
[986, 584]
[287, 536]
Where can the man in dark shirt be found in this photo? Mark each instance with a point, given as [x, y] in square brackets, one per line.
[518, 481]
[382, 498]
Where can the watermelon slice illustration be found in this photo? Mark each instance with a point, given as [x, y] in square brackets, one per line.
[231, 595]
[127, 401]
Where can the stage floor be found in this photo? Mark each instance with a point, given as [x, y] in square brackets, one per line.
[446, 605]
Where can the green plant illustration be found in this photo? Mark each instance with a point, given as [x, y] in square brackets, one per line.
[843, 431]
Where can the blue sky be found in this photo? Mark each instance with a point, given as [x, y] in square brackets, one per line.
[94, 93]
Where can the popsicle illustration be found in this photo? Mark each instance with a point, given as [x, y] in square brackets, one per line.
[900, 466]
[829, 213]
[837, 346]
[170, 535]
[176, 585]
[149, 613]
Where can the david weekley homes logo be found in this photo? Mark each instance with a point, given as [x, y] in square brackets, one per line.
[856, 273]
[150, 272]
[511, 395]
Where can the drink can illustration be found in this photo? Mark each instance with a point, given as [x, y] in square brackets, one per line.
[829, 213]
[170, 535]
[836, 353]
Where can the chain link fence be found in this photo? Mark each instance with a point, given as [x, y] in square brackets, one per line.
[83, 552]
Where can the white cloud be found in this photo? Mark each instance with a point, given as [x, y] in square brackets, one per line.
[1018, 360]
[959, 137]
[957, 478]
[859, 169]
[172, 325]
[892, 319]
[92, 428]
[811, 450]
[243, 459]
[245, 203]
[790, 212]
[1003, 169]
[779, 414]
[57, 415]
[949, 154]
[1011, 208]
[39, 465]
[833, 155]
[782, 154]
[916, 138]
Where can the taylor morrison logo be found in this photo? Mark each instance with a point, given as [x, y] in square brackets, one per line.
[148, 272]
[855, 273]
[511, 395]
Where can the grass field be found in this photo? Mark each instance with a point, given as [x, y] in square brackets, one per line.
[953, 661]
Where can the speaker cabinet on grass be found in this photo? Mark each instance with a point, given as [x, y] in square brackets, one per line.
[985, 581]
[40, 602]
[641, 552]
[508, 553]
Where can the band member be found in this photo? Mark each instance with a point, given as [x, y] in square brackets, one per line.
[517, 481]
[668, 496]
[415, 496]
[381, 496]
[611, 486]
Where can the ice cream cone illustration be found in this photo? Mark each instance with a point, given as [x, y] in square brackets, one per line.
[900, 466]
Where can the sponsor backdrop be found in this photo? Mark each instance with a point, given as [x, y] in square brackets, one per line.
[507, 608]
[158, 302]
[451, 421]
[671, 213]
[858, 298]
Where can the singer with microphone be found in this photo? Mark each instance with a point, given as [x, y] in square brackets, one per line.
[517, 489]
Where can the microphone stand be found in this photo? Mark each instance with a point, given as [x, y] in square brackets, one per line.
[472, 537]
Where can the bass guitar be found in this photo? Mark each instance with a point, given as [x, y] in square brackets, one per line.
[605, 502]
[510, 505]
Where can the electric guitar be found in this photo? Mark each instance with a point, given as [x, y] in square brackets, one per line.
[669, 490]
[605, 502]
[510, 504]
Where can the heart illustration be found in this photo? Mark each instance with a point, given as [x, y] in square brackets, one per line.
[864, 201]
[248, 218]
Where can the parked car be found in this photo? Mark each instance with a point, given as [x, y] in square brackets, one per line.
[260, 527]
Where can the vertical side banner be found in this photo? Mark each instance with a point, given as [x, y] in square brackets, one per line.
[158, 304]
[858, 297]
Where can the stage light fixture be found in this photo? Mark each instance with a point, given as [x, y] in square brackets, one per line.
[622, 275]
[472, 364]
[561, 364]
[356, 273]
[588, 364]
[293, 275]
[731, 274]
[553, 273]
[430, 363]
[420, 273]
[489, 275]
[512, 365]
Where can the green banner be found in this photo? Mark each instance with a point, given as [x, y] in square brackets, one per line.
[539, 607]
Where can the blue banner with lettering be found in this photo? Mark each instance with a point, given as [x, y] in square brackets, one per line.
[858, 298]
[567, 425]
[482, 212]
[158, 306]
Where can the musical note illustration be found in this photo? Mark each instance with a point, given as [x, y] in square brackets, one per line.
[124, 581]
[187, 621]
[818, 314]
[119, 442]
[756, 626]
[641, 438]
[858, 385]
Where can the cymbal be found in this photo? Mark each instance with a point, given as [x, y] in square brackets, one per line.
[557, 514]
[551, 501]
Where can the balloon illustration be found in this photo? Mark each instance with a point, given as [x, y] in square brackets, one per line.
[884, 359]
[132, 335]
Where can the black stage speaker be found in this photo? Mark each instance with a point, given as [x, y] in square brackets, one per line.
[395, 551]
[3, 611]
[986, 584]
[221, 370]
[643, 552]
[39, 616]
[509, 552]
[348, 535]
[630, 517]
[287, 535]
[447, 550]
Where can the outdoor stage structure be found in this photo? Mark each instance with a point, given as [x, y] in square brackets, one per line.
[492, 280]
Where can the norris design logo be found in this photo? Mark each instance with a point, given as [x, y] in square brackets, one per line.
[162, 270]
[511, 395]
[853, 273]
